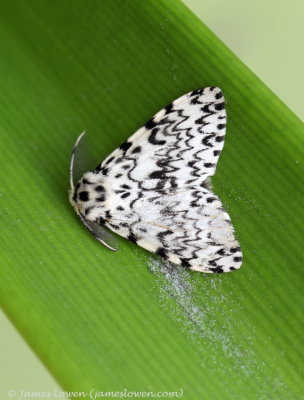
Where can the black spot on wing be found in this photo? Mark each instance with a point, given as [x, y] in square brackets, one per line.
[125, 146]
[219, 106]
[169, 108]
[100, 198]
[137, 149]
[206, 109]
[206, 139]
[108, 214]
[152, 138]
[133, 238]
[126, 166]
[99, 188]
[158, 174]
[200, 120]
[219, 95]
[87, 210]
[185, 263]
[221, 252]
[195, 100]
[110, 160]
[97, 169]
[150, 124]
[235, 249]
[83, 196]
[161, 252]
[161, 235]
[206, 184]
[213, 244]
[86, 181]
[217, 270]
[197, 92]
[114, 226]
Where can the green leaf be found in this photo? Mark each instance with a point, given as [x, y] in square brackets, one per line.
[111, 321]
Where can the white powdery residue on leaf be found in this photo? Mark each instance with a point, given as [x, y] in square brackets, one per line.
[180, 299]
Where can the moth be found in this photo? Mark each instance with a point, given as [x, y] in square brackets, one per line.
[155, 189]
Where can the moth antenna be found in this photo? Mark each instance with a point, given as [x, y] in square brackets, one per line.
[94, 233]
[72, 162]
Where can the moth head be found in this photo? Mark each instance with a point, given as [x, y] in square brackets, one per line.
[88, 195]
[76, 196]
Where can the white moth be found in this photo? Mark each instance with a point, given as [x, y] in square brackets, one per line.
[155, 188]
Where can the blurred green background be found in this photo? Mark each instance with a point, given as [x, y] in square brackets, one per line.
[267, 37]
